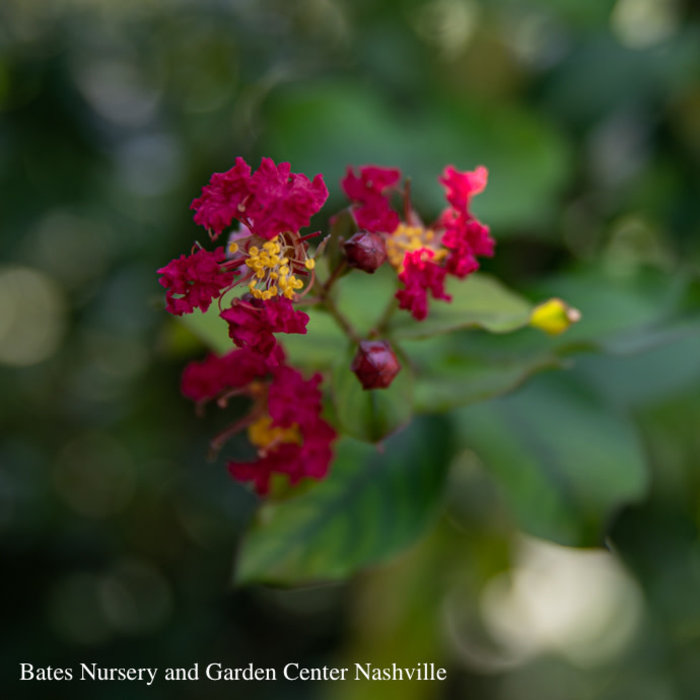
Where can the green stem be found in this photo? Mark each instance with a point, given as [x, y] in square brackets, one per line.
[341, 320]
[385, 318]
[340, 268]
[325, 300]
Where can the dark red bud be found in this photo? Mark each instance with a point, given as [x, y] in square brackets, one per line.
[365, 250]
[375, 364]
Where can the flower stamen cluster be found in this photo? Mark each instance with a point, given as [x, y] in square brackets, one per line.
[266, 436]
[273, 268]
[408, 239]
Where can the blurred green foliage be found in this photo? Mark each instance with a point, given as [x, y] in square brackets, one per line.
[116, 533]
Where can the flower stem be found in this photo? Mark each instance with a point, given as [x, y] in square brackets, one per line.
[326, 301]
[383, 321]
[340, 268]
[340, 319]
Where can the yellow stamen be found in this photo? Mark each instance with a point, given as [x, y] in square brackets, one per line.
[264, 435]
[272, 267]
[406, 239]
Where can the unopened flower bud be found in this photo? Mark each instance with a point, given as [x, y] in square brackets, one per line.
[554, 316]
[365, 250]
[375, 364]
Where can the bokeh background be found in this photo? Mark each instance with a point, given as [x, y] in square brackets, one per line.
[118, 537]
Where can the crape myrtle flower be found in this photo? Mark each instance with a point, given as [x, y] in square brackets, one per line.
[193, 281]
[288, 432]
[284, 423]
[271, 201]
[424, 256]
[266, 252]
[268, 259]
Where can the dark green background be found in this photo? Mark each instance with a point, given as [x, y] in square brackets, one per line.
[117, 536]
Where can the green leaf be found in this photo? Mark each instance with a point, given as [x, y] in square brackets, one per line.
[210, 328]
[320, 347]
[480, 301]
[563, 457]
[363, 297]
[468, 379]
[373, 504]
[371, 415]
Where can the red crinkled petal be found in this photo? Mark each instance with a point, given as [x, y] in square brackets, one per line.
[461, 186]
[252, 322]
[270, 201]
[193, 281]
[207, 379]
[281, 200]
[420, 275]
[292, 399]
[466, 239]
[219, 203]
[372, 210]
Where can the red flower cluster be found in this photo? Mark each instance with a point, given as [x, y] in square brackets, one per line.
[422, 256]
[290, 435]
[268, 254]
[269, 202]
[284, 423]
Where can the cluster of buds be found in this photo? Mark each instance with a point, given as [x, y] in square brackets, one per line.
[269, 268]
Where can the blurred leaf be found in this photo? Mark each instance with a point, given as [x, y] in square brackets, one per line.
[320, 347]
[371, 415]
[210, 328]
[362, 297]
[564, 458]
[652, 368]
[468, 379]
[373, 504]
[480, 301]
[329, 125]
